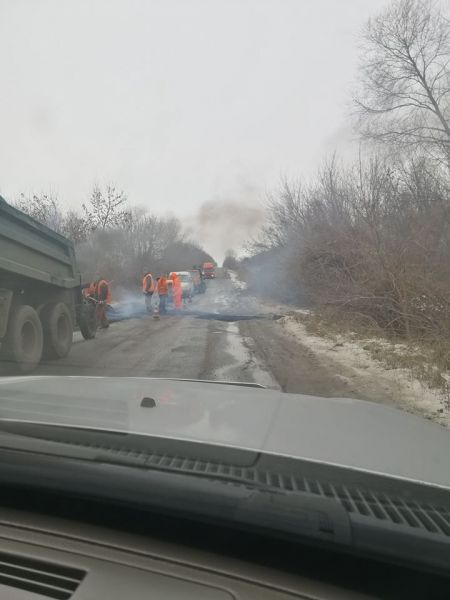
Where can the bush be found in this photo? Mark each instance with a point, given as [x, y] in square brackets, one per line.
[373, 239]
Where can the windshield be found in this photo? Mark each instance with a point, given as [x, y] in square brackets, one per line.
[254, 193]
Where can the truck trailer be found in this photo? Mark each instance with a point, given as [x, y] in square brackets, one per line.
[40, 292]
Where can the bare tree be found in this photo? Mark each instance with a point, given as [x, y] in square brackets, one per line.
[404, 96]
[75, 227]
[44, 208]
[284, 216]
[106, 209]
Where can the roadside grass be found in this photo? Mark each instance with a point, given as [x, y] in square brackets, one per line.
[427, 359]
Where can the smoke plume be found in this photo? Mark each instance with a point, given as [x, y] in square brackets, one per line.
[224, 223]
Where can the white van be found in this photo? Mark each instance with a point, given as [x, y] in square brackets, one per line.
[187, 283]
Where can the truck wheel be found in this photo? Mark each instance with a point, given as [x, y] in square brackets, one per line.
[24, 340]
[88, 321]
[58, 330]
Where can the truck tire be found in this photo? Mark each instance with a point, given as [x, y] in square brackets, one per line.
[58, 330]
[25, 339]
[88, 321]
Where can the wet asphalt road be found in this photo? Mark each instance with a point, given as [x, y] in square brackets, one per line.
[224, 335]
[211, 339]
[202, 342]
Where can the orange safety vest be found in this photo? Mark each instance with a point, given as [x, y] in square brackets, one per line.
[162, 286]
[88, 290]
[148, 284]
[96, 290]
[176, 282]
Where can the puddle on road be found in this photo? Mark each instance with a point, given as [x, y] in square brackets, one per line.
[243, 360]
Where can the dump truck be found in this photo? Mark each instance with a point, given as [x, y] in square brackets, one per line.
[40, 292]
[209, 270]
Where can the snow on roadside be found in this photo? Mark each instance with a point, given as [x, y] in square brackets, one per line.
[243, 360]
[241, 285]
[369, 377]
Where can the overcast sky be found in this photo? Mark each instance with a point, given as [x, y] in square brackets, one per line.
[178, 102]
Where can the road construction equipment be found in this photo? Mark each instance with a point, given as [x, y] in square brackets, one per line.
[156, 309]
[209, 270]
[40, 292]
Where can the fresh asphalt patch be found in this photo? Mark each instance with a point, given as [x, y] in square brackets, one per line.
[228, 318]
[133, 312]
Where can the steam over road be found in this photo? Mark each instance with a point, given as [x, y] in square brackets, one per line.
[196, 344]
[228, 335]
[224, 334]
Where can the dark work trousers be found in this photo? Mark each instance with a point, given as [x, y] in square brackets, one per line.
[162, 303]
[148, 301]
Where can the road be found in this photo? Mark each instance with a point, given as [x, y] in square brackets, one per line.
[224, 334]
[195, 344]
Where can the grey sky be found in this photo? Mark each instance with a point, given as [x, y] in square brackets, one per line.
[177, 102]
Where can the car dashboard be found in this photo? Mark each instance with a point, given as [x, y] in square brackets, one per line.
[60, 547]
[42, 557]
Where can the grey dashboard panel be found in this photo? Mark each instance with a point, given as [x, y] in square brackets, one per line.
[109, 580]
[106, 579]
[119, 565]
[100, 579]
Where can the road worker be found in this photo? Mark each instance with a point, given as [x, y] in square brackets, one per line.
[148, 287]
[162, 290]
[103, 295]
[87, 289]
[177, 291]
[100, 291]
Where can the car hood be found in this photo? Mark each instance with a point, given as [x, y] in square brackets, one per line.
[340, 431]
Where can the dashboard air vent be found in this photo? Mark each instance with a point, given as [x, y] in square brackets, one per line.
[47, 579]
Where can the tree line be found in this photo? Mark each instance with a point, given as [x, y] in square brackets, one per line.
[372, 239]
[118, 241]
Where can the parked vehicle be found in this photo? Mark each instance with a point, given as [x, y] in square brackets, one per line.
[40, 292]
[198, 281]
[187, 285]
[209, 270]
